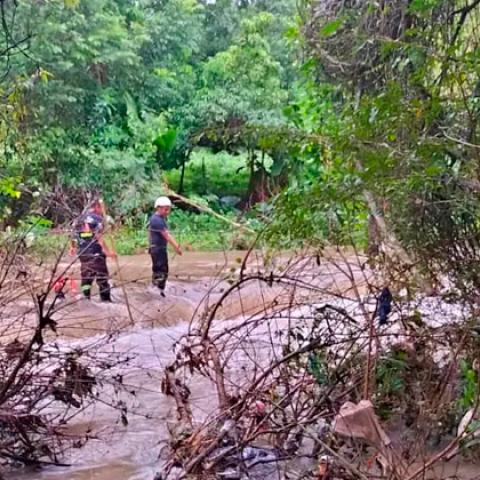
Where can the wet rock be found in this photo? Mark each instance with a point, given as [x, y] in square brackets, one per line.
[250, 462]
[173, 474]
[230, 200]
[256, 456]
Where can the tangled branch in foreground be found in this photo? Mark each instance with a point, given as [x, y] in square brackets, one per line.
[313, 387]
[45, 382]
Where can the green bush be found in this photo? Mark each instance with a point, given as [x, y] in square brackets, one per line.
[195, 232]
[219, 174]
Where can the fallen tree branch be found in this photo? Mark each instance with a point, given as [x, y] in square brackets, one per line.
[205, 209]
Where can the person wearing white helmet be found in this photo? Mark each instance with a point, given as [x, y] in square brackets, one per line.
[159, 237]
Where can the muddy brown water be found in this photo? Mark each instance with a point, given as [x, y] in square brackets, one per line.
[115, 451]
[119, 452]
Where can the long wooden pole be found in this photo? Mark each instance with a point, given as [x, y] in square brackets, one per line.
[127, 302]
[204, 209]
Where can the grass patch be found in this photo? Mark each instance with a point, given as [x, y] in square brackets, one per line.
[47, 245]
[195, 232]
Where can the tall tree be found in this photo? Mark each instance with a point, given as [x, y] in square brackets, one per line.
[391, 91]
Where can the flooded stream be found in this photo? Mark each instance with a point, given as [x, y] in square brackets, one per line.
[119, 450]
[130, 452]
[127, 452]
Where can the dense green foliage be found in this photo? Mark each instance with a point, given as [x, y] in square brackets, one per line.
[390, 90]
[327, 114]
[108, 95]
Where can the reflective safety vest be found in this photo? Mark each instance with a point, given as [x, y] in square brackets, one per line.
[85, 232]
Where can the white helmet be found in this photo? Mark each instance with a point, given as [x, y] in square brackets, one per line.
[163, 202]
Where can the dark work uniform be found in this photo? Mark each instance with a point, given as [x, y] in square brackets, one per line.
[92, 259]
[158, 250]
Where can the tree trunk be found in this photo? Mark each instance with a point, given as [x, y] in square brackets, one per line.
[373, 248]
[391, 242]
[182, 176]
[258, 185]
[204, 177]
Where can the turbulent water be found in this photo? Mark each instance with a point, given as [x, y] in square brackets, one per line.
[116, 451]
[120, 451]
[126, 452]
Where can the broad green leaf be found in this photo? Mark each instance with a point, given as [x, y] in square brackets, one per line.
[166, 141]
[331, 27]
[71, 3]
